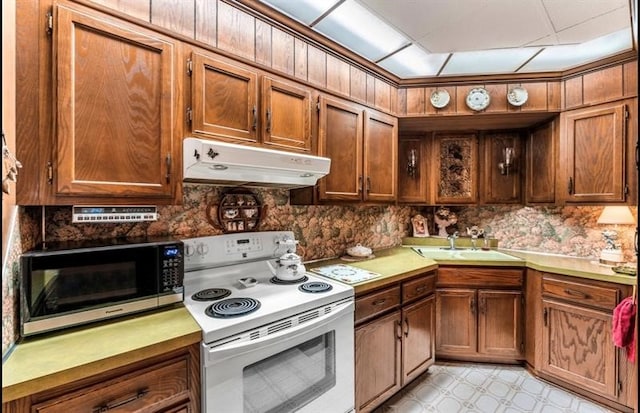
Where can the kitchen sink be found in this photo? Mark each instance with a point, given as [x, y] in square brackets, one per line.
[462, 254]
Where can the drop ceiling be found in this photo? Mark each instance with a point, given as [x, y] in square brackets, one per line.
[436, 38]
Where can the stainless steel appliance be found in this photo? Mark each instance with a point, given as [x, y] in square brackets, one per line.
[72, 283]
[268, 345]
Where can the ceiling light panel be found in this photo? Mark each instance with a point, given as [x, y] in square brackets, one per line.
[355, 27]
[567, 56]
[488, 61]
[414, 62]
[305, 11]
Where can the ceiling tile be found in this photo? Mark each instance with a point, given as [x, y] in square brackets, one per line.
[414, 62]
[596, 27]
[564, 14]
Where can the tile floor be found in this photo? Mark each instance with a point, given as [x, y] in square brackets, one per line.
[484, 388]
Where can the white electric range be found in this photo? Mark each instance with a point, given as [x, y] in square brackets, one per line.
[268, 345]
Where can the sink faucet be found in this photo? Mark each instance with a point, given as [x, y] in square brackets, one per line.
[474, 239]
[452, 240]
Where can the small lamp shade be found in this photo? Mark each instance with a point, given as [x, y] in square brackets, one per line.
[616, 215]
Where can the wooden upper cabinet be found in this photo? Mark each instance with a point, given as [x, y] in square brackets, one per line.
[380, 156]
[362, 145]
[592, 150]
[413, 181]
[455, 163]
[286, 115]
[224, 100]
[116, 109]
[541, 153]
[499, 183]
[340, 138]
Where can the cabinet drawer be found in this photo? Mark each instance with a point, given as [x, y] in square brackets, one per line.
[376, 303]
[420, 287]
[141, 390]
[580, 293]
[479, 277]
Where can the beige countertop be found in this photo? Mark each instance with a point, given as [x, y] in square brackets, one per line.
[44, 362]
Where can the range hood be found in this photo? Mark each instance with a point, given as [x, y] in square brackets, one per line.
[224, 163]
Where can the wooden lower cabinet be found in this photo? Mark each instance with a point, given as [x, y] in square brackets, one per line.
[576, 349]
[165, 384]
[394, 339]
[480, 324]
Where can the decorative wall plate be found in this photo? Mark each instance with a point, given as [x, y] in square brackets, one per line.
[478, 99]
[440, 99]
[517, 96]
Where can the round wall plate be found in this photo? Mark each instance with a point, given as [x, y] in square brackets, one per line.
[440, 98]
[517, 96]
[478, 99]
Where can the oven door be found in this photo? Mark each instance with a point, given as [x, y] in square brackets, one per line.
[306, 368]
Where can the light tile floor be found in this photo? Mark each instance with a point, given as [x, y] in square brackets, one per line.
[484, 388]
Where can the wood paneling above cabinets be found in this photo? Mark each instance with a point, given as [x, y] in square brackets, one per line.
[600, 86]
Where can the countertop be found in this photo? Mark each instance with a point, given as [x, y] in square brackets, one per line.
[41, 363]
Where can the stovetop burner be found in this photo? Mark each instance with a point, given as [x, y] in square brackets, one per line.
[211, 294]
[232, 307]
[276, 280]
[315, 287]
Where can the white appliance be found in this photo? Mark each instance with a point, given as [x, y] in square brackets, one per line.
[227, 163]
[293, 349]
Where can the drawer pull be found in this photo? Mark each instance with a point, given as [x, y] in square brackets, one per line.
[420, 288]
[576, 293]
[109, 406]
[379, 302]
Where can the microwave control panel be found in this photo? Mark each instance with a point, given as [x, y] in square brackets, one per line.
[172, 262]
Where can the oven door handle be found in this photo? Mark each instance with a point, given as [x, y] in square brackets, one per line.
[235, 349]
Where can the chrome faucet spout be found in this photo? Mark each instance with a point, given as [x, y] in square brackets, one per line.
[452, 240]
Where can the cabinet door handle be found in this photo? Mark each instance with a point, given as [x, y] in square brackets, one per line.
[360, 184]
[483, 305]
[545, 314]
[379, 302]
[269, 120]
[406, 323]
[255, 117]
[576, 293]
[570, 186]
[168, 163]
[399, 329]
[472, 306]
[109, 406]
[368, 184]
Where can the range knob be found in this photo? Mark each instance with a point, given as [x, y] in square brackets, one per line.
[188, 250]
[202, 249]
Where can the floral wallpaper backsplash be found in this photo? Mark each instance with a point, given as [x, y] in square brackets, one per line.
[324, 231]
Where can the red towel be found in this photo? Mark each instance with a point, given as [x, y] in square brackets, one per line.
[624, 323]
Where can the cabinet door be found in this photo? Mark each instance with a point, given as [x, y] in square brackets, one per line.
[116, 115]
[592, 151]
[225, 99]
[378, 360]
[456, 321]
[577, 347]
[286, 111]
[501, 183]
[340, 138]
[541, 155]
[500, 319]
[418, 339]
[413, 177]
[380, 156]
[455, 159]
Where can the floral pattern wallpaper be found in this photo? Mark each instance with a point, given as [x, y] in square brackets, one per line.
[324, 231]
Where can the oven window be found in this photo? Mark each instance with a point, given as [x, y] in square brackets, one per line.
[291, 379]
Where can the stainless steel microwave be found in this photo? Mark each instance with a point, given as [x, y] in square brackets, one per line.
[73, 283]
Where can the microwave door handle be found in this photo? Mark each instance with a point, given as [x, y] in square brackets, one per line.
[235, 349]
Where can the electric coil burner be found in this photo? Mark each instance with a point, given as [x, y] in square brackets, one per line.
[276, 280]
[315, 287]
[233, 307]
[211, 294]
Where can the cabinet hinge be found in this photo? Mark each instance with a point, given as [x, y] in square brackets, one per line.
[626, 113]
[626, 190]
[189, 67]
[318, 105]
[50, 22]
[545, 314]
[189, 115]
[49, 173]
[619, 386]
